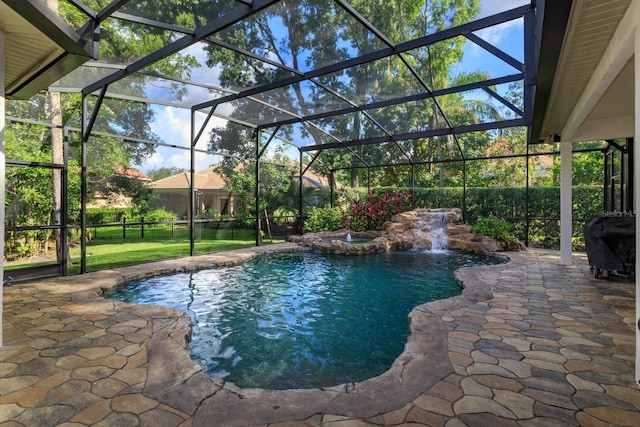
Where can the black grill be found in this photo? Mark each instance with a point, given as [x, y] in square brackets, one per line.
[610, 242]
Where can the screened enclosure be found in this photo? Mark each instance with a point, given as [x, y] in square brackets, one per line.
[289, 104]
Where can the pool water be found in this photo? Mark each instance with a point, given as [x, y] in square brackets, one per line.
[353, 241]
[304, 319]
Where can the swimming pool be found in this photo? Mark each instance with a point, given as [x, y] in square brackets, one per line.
[304, 319]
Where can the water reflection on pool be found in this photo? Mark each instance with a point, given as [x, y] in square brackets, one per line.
[304, 319]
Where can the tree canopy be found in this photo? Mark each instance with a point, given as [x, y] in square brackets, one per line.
[316, 34]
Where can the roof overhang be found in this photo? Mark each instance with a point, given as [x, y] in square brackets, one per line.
[585, 74]
[40, 47]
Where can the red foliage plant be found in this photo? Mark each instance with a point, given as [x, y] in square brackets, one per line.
[380, 207]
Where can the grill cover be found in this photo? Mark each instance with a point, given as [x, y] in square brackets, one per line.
[610, 242]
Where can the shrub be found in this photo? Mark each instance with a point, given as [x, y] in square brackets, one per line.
[355, 218]
[107, 215]
[208, 214]
[495, 228]
[323, 219]
[159, 215]
[113, 215]
[380, 206]
[510, 203]
[285, 215]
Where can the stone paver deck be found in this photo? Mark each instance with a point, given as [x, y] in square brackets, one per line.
[528, 343]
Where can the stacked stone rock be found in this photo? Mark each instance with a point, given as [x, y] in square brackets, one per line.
[408, 230]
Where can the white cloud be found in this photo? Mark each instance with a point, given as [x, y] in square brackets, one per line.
[498, 33]
[154, 162]
[506, 36]
[182, 160]
[492, 7]
[214, 122]
[173, 126]
[203, 73]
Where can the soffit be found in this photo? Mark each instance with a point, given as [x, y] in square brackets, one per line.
[590, 29]
[618, 99]
[25, 47]
[36, 55]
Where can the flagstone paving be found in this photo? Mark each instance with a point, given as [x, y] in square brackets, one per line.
[528, 343]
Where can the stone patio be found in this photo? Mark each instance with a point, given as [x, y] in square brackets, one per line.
[528, 343]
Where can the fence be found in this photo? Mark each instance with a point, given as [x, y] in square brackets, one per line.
[227, 229]
[205, 229]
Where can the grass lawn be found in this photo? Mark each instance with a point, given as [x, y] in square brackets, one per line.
[110, 253]
[116, 253]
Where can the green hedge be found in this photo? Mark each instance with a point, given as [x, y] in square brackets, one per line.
[113, 215]
[509, 202]
[107, 215]
[323, 219]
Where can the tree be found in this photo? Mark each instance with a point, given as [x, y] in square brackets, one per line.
[29, 196]
[117, 117]
[586, 168]
[318, 33]
[275, 177]
[54, 113]
[64, 109]
[164, 172]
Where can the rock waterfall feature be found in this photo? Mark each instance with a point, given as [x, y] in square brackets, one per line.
[419, 228]
[439, 241]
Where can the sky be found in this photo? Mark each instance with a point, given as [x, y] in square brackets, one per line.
[173, 124]
[491, 7]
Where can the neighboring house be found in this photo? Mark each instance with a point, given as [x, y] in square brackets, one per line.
[172, 193]
[312, 180]
[117, 199]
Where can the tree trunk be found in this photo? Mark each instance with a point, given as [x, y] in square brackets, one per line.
[355, 161]
[57, 152]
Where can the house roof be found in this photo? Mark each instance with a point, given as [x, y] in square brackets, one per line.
[585, 75]
[207, 179]
[312, 180]
[132, 173]
[211, 179]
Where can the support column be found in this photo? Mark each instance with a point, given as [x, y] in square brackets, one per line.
[83, 184]
[300, 193]
[192, 188]
[413, 185]
[565, 203]
[257, 184]
[331, 185]
[2, 168]
[636, 191]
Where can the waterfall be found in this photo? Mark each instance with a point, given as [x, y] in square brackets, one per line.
[439, 234]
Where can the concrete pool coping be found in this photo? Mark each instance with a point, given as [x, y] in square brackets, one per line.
[65, 328]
